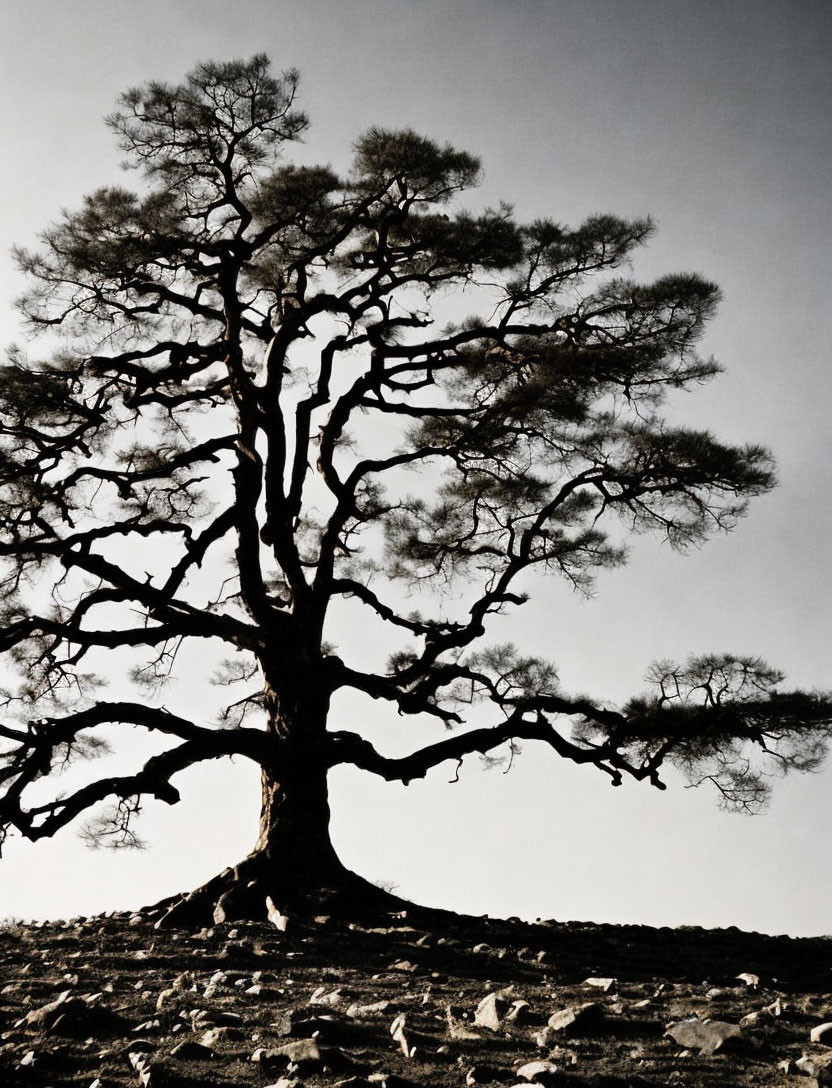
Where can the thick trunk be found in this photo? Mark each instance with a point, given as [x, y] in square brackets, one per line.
[293, 866]
[293, 863]
[293, 833]
[293, 839]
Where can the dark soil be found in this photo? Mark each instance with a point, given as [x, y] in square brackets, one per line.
[394, 1002]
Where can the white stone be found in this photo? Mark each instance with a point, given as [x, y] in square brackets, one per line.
[327, 998]
[358, 1012]
[532, 1071]
[605, 984]
[575, 1017]
[519, 1013]
[398, 1033]
[276, 917]
[490, 1012]
[822, 1033]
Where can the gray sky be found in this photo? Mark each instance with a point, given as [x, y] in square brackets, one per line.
[713, 117]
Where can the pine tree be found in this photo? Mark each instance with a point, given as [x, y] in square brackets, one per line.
[248, 414]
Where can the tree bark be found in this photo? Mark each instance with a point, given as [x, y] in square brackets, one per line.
[293, 863]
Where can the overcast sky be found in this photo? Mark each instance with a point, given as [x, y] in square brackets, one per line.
[713, 117]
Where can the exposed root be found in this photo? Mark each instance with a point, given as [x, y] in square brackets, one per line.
[241, 893]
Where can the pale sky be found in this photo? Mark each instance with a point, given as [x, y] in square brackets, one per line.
[713, 117]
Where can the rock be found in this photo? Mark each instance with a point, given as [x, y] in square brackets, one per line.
[605, 984]
[347, 973]
[326, 997]
[490, 1012]
[546, 1038]
[823, 1077]
[214, 1036]
[563, 1055]
[520, 1013]
[328, 1028]
[403, 965]
[818, 1066]
[754, 1019]
[302, 1052]
[190, 1050]
[201, 1018]
[706, 1036]
[299, 1052]
[140, 1061]
[147, 1027]
[286, 1022]
[751, 981]
[576, 1018]
[540, 1072]
[73, 1015]
[44, 1016]
[365, 1012]
[398, 1033]
[215, 983]
[822, 1033]
[277, 918]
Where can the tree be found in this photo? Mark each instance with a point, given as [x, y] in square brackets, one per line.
[249, 414]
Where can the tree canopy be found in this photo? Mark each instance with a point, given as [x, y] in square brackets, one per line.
[251, 408]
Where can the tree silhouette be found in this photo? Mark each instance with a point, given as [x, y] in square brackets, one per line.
[249, 413]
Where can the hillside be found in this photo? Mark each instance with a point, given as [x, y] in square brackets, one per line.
[423, 999]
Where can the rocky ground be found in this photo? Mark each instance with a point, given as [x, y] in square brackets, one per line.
[418, 1000]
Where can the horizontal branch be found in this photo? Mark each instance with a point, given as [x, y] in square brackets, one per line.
[350, 748]
[152, 780]
[35, 748]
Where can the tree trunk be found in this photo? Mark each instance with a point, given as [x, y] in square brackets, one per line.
[293, 866]
[293, 832]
